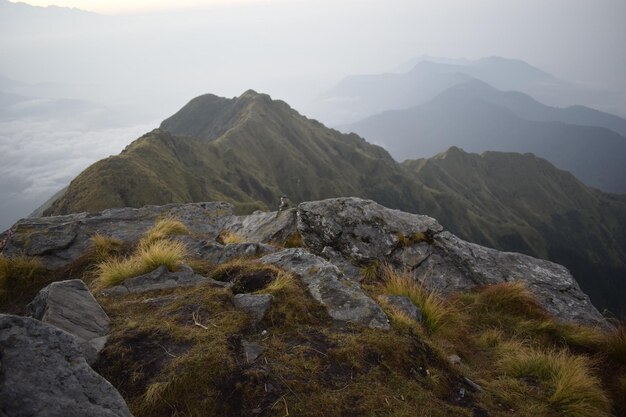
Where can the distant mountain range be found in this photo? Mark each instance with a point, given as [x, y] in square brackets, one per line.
[422, 79]
[252, 149]
[478, 118]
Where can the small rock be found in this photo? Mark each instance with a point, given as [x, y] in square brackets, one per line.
[251, 350]
[404, 305]
[160, 279]
[454, 359]
[472, 384]
[255, 304]
[70, 306]
[44, 374]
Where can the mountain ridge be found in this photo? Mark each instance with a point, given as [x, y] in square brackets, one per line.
[273, 150]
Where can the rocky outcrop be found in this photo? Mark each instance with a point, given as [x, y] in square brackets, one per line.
[60, 240]
[360, 230]
[347, 233]
[69, 306]
[162, 279]
[44, 374]
[363, 231]
[343, 298]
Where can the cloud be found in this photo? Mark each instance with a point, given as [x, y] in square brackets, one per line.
[37, 159]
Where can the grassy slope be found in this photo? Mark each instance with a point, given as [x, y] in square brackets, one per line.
[522, 203]
[263, 149]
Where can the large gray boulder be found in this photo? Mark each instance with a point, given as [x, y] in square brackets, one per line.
[343, 298]
[70, 306]
[363, 231]
[162, 279]
[265, 227]
[60, 240]
[43, 374]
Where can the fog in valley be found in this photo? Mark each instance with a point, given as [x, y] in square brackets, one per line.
[79, 85]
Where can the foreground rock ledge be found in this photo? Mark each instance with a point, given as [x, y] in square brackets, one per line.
[44, 374]
[348, 233]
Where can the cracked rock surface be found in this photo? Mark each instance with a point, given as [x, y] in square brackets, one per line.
[39, 358]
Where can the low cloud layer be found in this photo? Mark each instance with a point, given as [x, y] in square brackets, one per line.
[37, 159]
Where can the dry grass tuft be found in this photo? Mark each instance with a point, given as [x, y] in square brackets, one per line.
[435, 311]
[145, 259]
[370, 271]
[226, 237]
[163, 229]
[615, 343]
[104, 247]
[19, 276]
[573, 389]
[512, 298]
[294, 240]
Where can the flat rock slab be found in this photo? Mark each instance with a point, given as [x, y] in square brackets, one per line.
[59, 240]
[264, 227]
[44, 374]
[251, 350]
[343, 298]
[162, 279]
[70, 306]
[217, 253]
[255, 304]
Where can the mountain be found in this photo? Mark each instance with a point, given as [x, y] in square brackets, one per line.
[251, 149]
[359, 96]
[522, 203]
[480, 118]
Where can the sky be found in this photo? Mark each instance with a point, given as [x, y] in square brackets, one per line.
[113, 7]
[142, 60]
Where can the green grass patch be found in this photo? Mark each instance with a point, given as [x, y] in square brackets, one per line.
[20, 277]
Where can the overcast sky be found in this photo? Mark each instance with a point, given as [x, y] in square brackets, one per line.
[146, 58]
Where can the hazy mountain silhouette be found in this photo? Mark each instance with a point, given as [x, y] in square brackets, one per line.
[480, 118]
[359, 96]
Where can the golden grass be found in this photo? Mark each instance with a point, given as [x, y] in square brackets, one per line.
[370, 271]
[512, 298]
[615, 343]
[435, 311]
[19, 275]
[227, 237]
[163, 229]
[143, 260]
[294, 240]
[573, 390]
[104, 247]
[283, 281]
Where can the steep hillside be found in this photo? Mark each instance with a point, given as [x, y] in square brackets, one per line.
[480, 118]
[522, 203]
[271, 150]
[249, 151]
